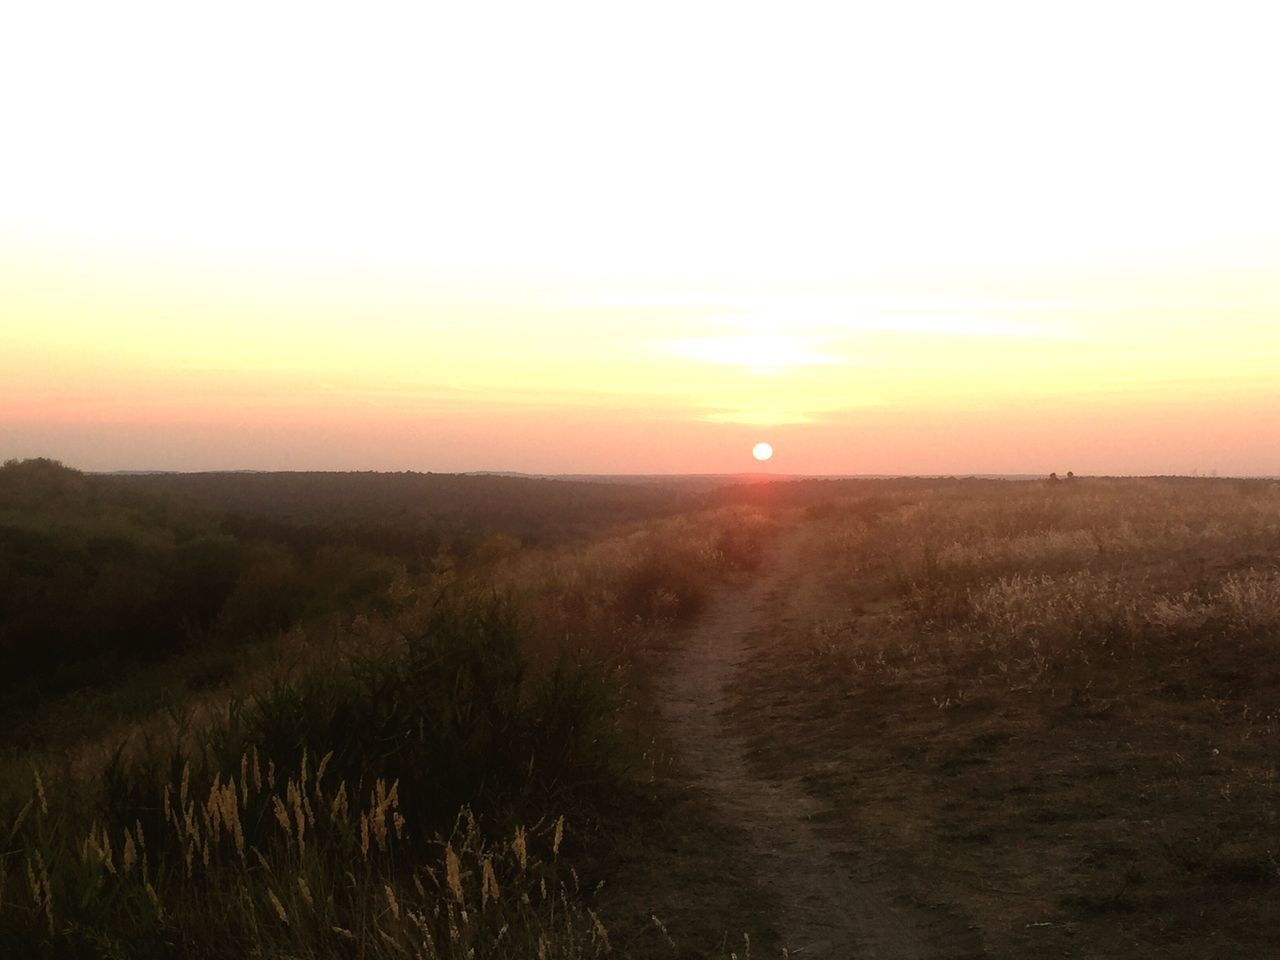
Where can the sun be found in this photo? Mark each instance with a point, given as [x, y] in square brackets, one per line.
[762, 451]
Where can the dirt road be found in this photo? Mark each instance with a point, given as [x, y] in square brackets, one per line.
[823, 906]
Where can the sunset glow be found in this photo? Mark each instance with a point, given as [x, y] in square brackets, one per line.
[556, 239]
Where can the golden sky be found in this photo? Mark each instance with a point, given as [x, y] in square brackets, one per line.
[983, 237]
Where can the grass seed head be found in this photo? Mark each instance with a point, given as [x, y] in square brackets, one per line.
[40, 795]
[488, 884]
[129, 855]
[521, 849]
[278, 906]
[453, 872]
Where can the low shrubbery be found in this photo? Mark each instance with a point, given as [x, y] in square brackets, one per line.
[319, 818]
[603, 594]
[94, 578]
[403, 797]
[100, 574]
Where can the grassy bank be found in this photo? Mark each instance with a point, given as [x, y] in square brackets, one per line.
[446, 776]
[324, 814]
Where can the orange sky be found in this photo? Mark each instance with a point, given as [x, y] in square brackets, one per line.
[563, 238]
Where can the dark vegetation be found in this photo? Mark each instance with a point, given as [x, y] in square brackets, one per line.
[324, 813]
[410, 516]
[100, 572]
[401, 793]
[1050, 707]
[95, 575]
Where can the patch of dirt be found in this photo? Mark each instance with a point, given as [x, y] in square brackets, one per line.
[829, 896]
[1104, 818]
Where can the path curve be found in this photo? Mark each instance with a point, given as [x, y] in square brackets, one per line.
[822, 910]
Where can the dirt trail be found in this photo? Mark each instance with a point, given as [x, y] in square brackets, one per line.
[821, 909]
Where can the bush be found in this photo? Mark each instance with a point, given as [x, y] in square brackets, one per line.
[310, 818]
[458, 719]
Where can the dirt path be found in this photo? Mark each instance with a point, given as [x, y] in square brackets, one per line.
[822, 910]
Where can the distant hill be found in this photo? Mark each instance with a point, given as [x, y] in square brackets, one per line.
[534, 510]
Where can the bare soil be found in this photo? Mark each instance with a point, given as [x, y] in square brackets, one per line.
[1129, 816]
[821, 891]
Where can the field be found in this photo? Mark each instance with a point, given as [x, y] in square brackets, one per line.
[372, 715]
[1045, 711]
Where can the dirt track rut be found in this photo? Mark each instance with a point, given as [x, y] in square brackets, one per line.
[822, 910]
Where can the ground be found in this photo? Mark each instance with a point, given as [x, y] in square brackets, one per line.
[803, 883]
[841, 818]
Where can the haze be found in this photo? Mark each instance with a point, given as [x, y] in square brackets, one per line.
[919, 238]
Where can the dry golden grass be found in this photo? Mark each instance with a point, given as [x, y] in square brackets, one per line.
[1056, 706]
[246, 866]
[238, 857]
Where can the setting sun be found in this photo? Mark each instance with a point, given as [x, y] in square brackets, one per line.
[507, 243]
[390, 367]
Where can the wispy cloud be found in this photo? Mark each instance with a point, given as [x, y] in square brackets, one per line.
[818, 319]
[940, 320]
[760, 417]
[762, 352]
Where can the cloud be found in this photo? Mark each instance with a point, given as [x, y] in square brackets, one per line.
[761, 352]
[760, 417]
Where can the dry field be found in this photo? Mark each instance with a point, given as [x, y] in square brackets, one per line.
[1051, 710]
[895, 719]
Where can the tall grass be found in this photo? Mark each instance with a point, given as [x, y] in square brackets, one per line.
[318, 818]
[404, 797]
[604, 595]
[1034, 583]
[297, 863]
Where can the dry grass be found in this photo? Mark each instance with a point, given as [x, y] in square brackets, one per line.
[269, 863]
[297, 813]
[643, 578]
[1056, 706]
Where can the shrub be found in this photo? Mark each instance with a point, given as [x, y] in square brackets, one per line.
[309, 820]
[1252, 600]
[459, 718]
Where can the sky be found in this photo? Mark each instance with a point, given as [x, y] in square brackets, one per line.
[640, 238]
